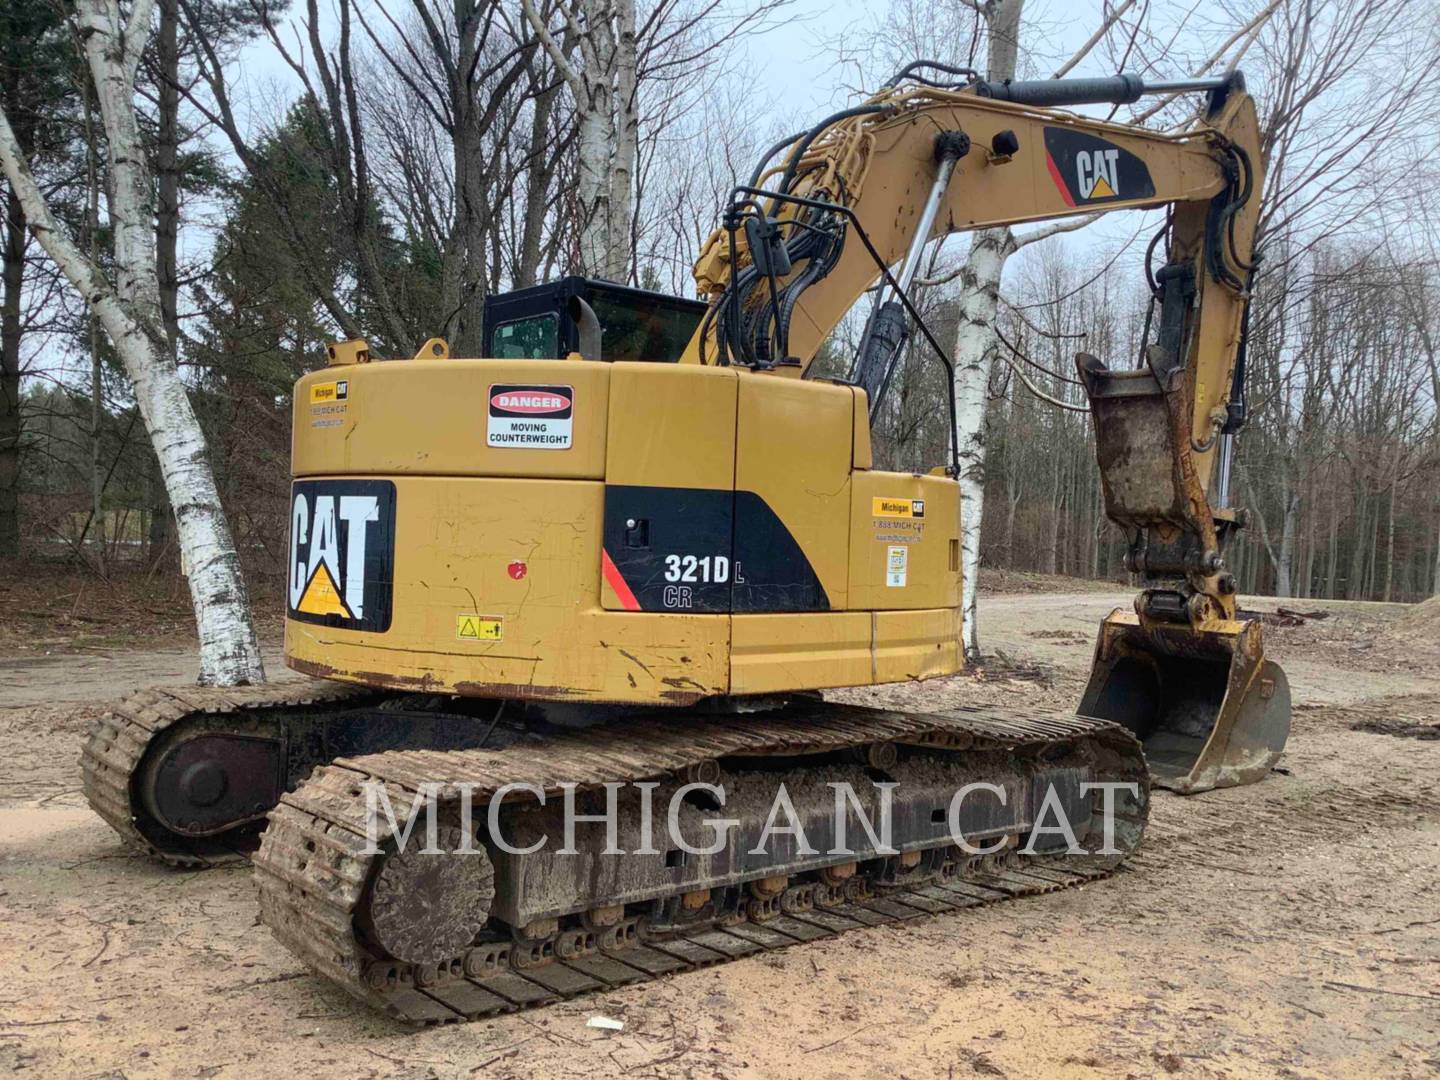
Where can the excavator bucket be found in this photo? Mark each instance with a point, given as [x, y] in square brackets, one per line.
[1207, 706]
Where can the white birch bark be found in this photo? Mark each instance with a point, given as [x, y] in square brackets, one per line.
[627, 144]
[592, 188]
[129, 310]
[975, 345]
[602, 81]
[976, 341]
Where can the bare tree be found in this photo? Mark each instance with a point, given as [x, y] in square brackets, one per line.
[129, 309]
[467, 70]
[602, 80]
[330, 90]
[1337, 77]
[976, 343]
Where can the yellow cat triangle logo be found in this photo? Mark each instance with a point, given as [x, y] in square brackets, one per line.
[1102, 189]
[322, 597]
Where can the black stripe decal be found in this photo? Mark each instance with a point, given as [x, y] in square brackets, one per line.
[706, 551]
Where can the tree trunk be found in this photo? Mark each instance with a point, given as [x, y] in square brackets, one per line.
[626, 133]
[157, 532]
[1332, 553]
[167, 236]
[1355, 587]
[1435, 581]
[92, 328]
[13, 279]
[167, 175]
[975, 343]
[469, 250]
[974, 354]
[1307, 579]
[131, 315]
[538, 175]
[1012, 502]
[10, 331]
[591, 189]
[602, 80]
[1390, 544]
[1289, 529]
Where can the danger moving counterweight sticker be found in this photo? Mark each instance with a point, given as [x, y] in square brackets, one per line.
[530, 417]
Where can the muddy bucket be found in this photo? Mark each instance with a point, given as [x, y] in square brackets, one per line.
[1207, 706]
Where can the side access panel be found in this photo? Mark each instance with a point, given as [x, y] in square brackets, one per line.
[794, 448]
[669, 489]
[543, 419]
[904, 542]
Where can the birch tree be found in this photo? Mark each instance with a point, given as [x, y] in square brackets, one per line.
[599, 64]
[127, 305]
[976, 342]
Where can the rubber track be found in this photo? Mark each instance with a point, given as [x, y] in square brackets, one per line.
[312, 873]
[118, 741]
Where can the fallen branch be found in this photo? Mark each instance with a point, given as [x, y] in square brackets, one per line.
[1379, 990]
[841, 1039]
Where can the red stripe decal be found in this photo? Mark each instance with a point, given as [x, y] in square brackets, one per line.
[612, 575]
[1055, 175]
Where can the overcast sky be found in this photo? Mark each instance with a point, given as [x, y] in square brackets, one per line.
[793, 70]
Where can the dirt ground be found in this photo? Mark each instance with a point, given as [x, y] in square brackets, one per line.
[51, 607]
[1287, 929]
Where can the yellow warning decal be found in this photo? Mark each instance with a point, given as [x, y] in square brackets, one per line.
[479, 628]
[897, 508]
[321, 597]
[323, 393]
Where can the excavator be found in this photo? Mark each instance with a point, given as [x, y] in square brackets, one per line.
[611, 565]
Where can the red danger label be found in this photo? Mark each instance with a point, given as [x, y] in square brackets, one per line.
[530, 402]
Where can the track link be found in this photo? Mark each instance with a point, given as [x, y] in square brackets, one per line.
[314, 876]
[120, 739]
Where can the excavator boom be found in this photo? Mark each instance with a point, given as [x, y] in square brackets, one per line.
[868, 188]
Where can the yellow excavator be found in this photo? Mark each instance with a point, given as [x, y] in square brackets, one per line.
[631, 545]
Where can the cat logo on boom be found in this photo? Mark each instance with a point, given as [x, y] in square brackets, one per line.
[342, 553]
[1098, 173]
[1087, 169]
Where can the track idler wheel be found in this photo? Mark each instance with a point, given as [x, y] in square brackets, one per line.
[427, 908]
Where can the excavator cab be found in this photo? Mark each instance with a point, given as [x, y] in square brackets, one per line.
[591, 318]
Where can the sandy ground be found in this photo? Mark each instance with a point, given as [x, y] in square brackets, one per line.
[1287, 929]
